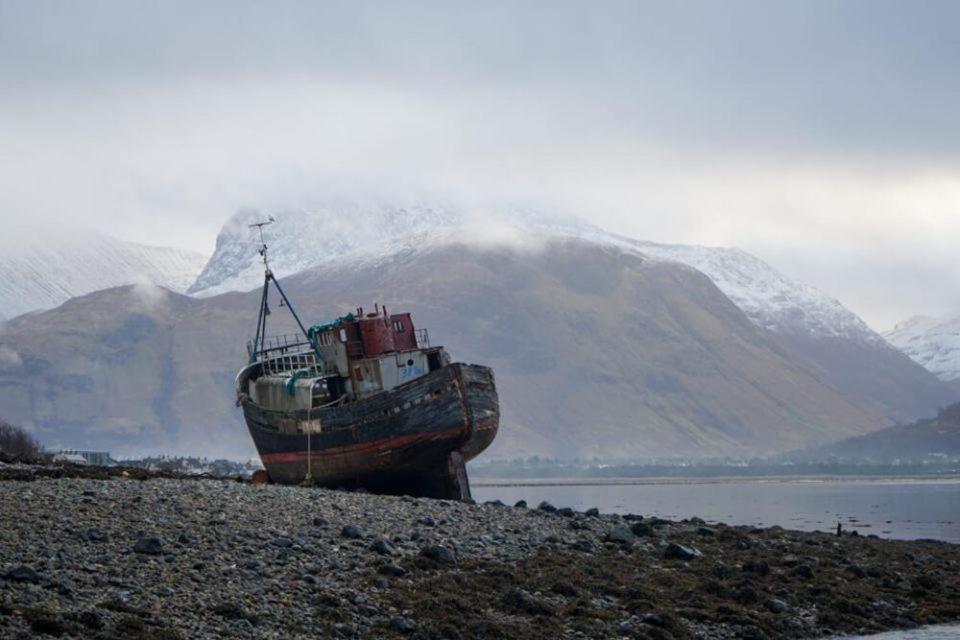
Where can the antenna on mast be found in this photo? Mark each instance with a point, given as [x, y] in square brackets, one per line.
[261, 336]
[263, 245]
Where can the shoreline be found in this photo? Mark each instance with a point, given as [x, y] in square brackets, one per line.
[485, 481]
[166, 559]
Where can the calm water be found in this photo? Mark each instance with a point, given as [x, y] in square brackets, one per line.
[939, 632]
[889, 508]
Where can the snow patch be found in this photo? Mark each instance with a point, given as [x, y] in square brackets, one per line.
[933, 343]
[44, 272]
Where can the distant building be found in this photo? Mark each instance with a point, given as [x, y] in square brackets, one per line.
[76, 456]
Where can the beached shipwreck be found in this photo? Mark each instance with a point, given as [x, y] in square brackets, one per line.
[364, 402]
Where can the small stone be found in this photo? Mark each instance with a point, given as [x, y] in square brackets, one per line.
[789, 560]
[566, 512]
[320, 522]
[381, 583]
[641, 529]
[309, 578]
[383, 547]
[151, 546]
[352, 532]
[546, 506]
[427, 521]
[94, 534]
[439, 553]
[22, 573]
[232, 611]
[520, 504]
[593, 512]
[403, 625]
[621, 534]
[679, 552]
[584, 545]
[656, 619]
[391, 569]
[803, 571]
[857, 571]
[705, 531]
[527, 603]
[776, 606]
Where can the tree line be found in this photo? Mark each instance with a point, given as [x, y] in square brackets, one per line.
[16, 445]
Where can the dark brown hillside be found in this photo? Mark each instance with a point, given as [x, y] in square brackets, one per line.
[597, 352]
[922, 440]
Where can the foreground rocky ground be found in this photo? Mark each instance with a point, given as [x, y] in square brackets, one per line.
[165, 558]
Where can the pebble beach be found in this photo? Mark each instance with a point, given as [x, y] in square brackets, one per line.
[118, 557]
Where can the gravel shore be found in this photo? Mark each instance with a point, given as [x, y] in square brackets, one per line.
[165, 558]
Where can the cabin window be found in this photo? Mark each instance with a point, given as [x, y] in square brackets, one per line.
[343, 335]
[325, 339]
[398, 326]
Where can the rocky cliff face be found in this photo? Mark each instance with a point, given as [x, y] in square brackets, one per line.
[597, 351]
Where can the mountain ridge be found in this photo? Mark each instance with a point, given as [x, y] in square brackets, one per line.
[933, 343]
[42, 272]
[340, 232]
[597, 352]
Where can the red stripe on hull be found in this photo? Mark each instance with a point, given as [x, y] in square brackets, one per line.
[351, 449]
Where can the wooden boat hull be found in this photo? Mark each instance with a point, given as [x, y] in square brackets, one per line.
[413, 439]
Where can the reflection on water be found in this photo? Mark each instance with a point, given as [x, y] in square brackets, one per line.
[889, 508]
[939, 632]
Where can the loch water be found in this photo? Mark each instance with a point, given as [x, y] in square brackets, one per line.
[899, 508]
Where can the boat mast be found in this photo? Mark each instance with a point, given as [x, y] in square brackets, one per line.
[268, 277]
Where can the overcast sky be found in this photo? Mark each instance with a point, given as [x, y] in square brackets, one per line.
[822, 136]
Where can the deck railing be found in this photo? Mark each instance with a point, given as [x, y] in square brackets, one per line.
[289, 362]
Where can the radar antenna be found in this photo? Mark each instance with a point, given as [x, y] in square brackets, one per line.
[263, 245]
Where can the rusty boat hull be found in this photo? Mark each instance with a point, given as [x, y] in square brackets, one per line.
[413, 439]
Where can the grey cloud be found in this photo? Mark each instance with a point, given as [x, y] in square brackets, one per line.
[670, 121]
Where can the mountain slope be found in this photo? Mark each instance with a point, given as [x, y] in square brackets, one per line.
[932, 343]
[921, 440]
[597, 351]
[43, 271]
[832, 341]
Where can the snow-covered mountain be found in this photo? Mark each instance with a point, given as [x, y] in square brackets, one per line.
[303, 239]
[364, 232]
[43, 270]
[933, 343]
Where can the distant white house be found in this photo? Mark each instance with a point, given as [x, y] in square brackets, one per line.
[76, 456]
[71, 458]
